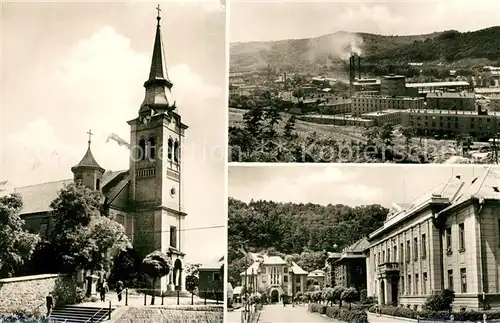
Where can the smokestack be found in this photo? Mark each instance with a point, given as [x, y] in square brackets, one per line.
[359, 67]
[284, 80]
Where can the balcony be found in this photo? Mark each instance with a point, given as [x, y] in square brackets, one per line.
[388, 269]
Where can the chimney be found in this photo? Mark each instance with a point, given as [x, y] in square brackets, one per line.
[359, 67]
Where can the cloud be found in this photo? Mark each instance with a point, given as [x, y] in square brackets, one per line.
[97, 84]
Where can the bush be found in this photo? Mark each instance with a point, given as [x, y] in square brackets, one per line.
[363, 296]
[317, 308]
[465, 316]
[440, 300]
[347, 315]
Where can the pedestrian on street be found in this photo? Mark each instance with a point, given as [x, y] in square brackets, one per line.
[104, 290]
[119, 290]
[49, 302]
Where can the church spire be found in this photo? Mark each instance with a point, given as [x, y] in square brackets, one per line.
[158, 86]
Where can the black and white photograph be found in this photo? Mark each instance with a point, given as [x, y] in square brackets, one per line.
[356, 243]
[364, 81]
[113, 162]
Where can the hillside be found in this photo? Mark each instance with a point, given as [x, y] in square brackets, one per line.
[332, 50]
[304, 231]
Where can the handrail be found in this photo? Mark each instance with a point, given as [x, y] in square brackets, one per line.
[90, 319]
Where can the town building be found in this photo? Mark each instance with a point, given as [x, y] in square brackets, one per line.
[350, 268]
[211, 280]
[147, 199]
[330, 274]
[362, 104]
[338, 120]
[462, 101]
[390, 116]
[317, 277]
[494, 103]
[367, 85]
[447, 238]
[335, 105]
[275, 277]
[481, 125]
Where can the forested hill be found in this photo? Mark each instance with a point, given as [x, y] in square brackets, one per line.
[291, 229]
[481, 46]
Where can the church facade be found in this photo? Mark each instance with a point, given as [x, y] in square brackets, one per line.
[147, 198]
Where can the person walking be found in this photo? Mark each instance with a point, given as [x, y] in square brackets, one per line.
[119, 290]
[104, 290]
[49, 302]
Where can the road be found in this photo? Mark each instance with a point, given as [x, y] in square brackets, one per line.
[278, 313]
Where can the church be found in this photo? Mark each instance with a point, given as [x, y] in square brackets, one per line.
[147, 198]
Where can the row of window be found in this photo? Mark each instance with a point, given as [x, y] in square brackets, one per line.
[391, 257]
[415, 289]
[146, 172]
[147, 149]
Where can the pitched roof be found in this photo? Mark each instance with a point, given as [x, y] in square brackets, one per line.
[359, 246]
[37, 198]
[317, 273]
[274, 260]
[88, 160]
[297, 270]
[214, 265]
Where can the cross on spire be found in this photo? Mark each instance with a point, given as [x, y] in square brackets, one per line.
[158, 17]
[90, 135]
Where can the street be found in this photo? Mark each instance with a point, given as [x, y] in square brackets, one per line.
[277, 313]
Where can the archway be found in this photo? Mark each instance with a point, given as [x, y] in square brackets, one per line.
[275, 296]
[177, 273]
[382, 292]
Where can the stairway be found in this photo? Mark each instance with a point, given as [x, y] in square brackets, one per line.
[79, 314]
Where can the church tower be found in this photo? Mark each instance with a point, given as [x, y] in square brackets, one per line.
[88, 170]
[156, 138]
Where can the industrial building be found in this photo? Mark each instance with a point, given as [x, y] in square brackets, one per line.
[448, 238]
[422, 89]
[393, 85]
[480, 125]
[391, 116]
[362, 104]
[462, 101]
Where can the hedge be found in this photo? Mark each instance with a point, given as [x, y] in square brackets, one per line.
[341, 314]
[441, 315]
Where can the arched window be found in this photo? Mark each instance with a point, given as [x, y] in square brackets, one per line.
[170, 148]
[142, 149]
[152, 148]
[97, 184]
[176, 151]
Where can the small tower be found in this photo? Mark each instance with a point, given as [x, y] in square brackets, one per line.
[88, 170]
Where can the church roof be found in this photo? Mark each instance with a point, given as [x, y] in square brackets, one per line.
[88, 160]
[37, 198]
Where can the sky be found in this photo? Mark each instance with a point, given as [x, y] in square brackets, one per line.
[351, 185]
[70, 67]
[278, 20]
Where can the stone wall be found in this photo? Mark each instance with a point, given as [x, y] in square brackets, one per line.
[27, 294]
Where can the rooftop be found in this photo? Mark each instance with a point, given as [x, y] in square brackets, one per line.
[392, 76]
[454, 112]
[453, 191]
[385, 97]
[437, 84]
[451, 95]
[383, 112]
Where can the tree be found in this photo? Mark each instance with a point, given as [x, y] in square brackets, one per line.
[440, 300]
[83, 238]
[127, 268]
[337, 294]
[253, 121]
[156, 265]
[16, 244]
[289, 127]
[408, 133]
[328, 295]
[273, 117]
[192, 279]
[349, 295]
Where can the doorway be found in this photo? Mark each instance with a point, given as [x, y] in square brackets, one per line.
[275, 296]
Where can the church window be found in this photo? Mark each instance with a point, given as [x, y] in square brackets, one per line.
[176, 151]
[142, 149]
[170, 148]
[173, 237]
[152, 148]
[97, 184]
